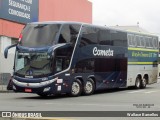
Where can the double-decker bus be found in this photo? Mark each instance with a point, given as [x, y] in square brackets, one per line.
[75, 58]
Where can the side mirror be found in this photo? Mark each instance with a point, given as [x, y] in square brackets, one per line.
[6, 53]
[6, 50]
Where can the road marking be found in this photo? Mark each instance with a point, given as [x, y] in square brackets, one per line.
[94, 104]
[150, 92]
[136, 91]
[143, 91]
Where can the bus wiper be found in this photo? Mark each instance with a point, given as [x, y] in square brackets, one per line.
[42, 67]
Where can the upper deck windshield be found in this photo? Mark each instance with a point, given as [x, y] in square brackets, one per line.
[39, 35]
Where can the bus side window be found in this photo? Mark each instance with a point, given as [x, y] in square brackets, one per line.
[110, 64]
[129, 37]
[118, 38]
[62, 58]
[89, 36]
[58, 64]
[150, 42]
[131, 40]
[69, 34]
[104, 37]
[137, 37]
[155, 43]
[142, 41]
[147, 42]
[85, 66]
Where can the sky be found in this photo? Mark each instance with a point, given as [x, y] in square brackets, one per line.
[128, 13]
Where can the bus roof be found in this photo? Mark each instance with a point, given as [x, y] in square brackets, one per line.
[57, 22]
[81, 23]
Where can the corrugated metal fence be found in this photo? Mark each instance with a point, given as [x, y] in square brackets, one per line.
[4, 79]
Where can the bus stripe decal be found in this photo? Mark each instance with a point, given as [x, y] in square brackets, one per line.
[142, 63]
[143, 49]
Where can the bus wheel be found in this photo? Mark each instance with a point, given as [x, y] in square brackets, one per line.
[89, 87]
[143, 83]
[76, 88]
[137, 83]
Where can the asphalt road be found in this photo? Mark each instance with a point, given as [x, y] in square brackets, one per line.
[109, 100]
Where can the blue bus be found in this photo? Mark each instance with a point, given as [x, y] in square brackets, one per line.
[78, 58]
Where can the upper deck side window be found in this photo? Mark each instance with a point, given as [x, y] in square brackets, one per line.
[142, 41]
[131, 40]
[118, 38]
[102, 36]
[112, 37]
[89, 35]
[69, 33]
[155, 42]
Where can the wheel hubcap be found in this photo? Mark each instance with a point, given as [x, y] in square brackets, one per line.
[88, 87]
[138, 83]
[144, 82]
[75, 88]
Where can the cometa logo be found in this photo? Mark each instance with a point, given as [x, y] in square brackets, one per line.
[97, 52]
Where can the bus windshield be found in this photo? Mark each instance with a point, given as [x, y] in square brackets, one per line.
[39, 35]
[32, 64]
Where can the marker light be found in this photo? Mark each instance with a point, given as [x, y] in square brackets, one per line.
[20, 37]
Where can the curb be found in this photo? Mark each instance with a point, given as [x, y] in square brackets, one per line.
[3, 89]
[9, 91]
[6, 91]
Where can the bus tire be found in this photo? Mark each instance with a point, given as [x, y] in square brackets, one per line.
[89, 87]
[138, 83]
[143, 83]
[76, 88]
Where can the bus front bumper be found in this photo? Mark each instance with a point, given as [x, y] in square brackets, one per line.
[49, 87]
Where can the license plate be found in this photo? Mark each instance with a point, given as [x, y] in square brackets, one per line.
[28, 90]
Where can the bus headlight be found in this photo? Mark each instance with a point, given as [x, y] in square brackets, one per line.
[46, 89]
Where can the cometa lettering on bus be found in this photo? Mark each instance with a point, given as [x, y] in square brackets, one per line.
[97, 52]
